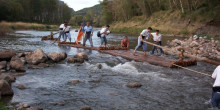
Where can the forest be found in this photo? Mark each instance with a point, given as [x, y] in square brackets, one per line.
[124, 10]
[39, 11]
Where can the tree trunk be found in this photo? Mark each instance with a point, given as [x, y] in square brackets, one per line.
[181, 4]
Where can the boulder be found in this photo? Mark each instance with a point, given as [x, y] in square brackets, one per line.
[86, 108]
[5, 88]
[75, 60]
[6, 55]
[17, 64]
[56, 57]
[75, 81]
[134, 85]
[33, 67]
[43, 65]
[8, 78]
[36, 57]
[3, 65]
[82, 55]
[20, 54]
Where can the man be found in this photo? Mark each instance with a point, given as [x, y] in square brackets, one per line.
[143, 36]
[61, 31]
[66, 31]
[215, 100]
[104, 32]
[89, 33]
[125, 42]
[157, 40]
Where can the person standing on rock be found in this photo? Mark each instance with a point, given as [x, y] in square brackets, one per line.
[66, 31]
[157, 37]
[104, 32]
[215, 99]
[89, 33]
[143, 36]
[61, 33]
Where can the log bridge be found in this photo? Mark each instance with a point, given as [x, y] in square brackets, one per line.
[139, 57]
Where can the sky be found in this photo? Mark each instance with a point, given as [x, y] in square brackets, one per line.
[80, 4]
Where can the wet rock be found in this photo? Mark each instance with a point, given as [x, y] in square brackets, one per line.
[7, 77]
[34, 108]
[22, 107]
[5, 88]
[3, 65]
[82, 55]
[17, 64]
[75, 60]
[36, 57]
[60, 103]
[20, 86]
[33, 67]
[21, 54]
[134, 85]
[57, 57]
[75, 81]
[86, 108]
[43, 65]
[99, 66]
[6, 55]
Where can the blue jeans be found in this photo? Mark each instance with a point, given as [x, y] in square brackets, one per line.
[144, 45]
[215, 99]
[61, 33]
[103, 38]
[154, 48]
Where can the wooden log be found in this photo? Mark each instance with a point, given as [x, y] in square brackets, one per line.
[167, 50]
[112, 48]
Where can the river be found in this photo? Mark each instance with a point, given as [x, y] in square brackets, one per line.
[105, 89]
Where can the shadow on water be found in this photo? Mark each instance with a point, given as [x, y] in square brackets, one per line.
[105, 89]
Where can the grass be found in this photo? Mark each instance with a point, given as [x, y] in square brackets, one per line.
[168, 22]
[7, 27]
[3, 107]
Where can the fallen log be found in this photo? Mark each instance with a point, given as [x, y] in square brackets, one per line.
[50, 37]
[166, 50]
[112, 48]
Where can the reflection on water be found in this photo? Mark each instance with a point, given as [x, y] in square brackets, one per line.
[105, 89]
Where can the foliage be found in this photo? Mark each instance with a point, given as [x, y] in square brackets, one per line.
[41, 11]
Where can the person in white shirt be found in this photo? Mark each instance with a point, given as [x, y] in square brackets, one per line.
[61, 33]
[143, 36]
[157, 37]
[215, 100]
[66, 31]
[89, 33]
[104, 32]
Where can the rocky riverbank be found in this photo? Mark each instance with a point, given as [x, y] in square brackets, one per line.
[14, 64]
[199, 46]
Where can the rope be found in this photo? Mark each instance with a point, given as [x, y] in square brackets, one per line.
[192, 70]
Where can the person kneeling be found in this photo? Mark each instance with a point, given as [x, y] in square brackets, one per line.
[125, 42]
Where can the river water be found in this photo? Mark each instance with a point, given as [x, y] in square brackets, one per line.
[105, 89]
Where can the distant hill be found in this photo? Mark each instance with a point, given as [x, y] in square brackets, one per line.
[97, 8]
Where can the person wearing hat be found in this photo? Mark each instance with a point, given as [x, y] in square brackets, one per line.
[104, 32]
[143, 36]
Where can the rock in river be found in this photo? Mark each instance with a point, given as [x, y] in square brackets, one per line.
[75, 60]
[17, 64]
[134, 85]
[86, 108]
[3, 65]
[36, 57]
[20, 86]
[82, 55]
[5, 88]
[56, 57]
[6, 55]
[7, 77]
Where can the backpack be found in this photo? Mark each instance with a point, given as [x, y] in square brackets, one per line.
[98, 34]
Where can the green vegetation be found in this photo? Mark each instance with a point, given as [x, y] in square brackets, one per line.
[3, 107]
[169, 16]
[40, 11]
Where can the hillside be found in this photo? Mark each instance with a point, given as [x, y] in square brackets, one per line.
[97, 9]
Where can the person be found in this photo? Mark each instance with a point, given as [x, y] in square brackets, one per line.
[215, 100]
[66, 31]
[61, 31]
[104, 32]
[125, 42]
[157, 40]
[89, 33]
[143, 36]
